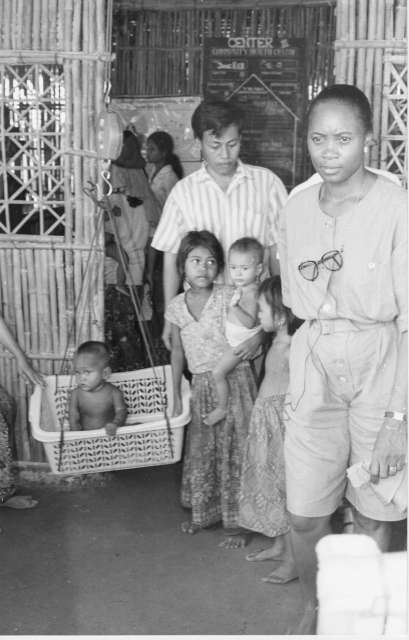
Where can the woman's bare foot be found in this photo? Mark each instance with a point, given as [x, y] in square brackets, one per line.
[263, 555]
[213, 417]
[189, 527]
[20, 502]
[283, 573]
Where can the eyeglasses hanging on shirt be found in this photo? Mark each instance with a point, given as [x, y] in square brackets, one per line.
[331, 260]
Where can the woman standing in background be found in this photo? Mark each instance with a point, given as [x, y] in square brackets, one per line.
[164, 170]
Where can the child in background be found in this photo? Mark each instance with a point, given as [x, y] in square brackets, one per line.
[262, 497]
[213, 455]
[245, 262]
[95, 403]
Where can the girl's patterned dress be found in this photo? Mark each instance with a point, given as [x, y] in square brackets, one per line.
[7, 416]
[213, 455]
[263, 497]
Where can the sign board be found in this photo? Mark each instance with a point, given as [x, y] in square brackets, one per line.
[266, 78]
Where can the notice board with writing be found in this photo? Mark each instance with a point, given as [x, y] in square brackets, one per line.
[266, 77]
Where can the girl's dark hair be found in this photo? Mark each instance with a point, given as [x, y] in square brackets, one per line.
[194, 239]
[94, 348]
[215, 116]
[270, 288]
[349, 95]
[164, 142]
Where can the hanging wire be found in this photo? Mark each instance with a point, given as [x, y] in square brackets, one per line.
[103, 203]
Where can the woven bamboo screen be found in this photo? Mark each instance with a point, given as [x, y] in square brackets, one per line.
[158, 45]
[370, 51]
[54, 60]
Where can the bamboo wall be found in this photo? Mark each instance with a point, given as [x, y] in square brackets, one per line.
[51, 289]
[371, 52]
[158, 45]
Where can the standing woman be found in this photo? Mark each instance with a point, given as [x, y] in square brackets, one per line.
[164, 171]
[343, 256]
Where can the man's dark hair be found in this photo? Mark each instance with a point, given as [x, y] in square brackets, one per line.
[215, 116]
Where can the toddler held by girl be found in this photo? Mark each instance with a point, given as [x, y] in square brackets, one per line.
[245, 262]
[213, 455]
[262, 498]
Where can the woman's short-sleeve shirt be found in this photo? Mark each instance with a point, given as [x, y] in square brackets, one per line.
[371, 286]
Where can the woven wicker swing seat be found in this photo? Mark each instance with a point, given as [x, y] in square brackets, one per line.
[148, 437]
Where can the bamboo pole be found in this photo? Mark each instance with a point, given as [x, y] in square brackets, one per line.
[19, 25]
[7, 20]
[17, 302]
[32, 292]
[44, 22]
[25, 302]
[401, 20]
[342, 18]
[26, 24]
[360, 71]
[60, 24]
[52, 24]
[372, 13]
[377, 87]
[351, 51]
[36, 25]
[61, 301]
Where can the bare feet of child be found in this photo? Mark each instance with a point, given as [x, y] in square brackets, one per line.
[214, 416]
[20, 502]
[234, 539]
[189, 527]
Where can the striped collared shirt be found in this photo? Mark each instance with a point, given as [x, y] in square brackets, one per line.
[249, 207]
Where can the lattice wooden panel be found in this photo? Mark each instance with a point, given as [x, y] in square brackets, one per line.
[394, 147]
[32, 104]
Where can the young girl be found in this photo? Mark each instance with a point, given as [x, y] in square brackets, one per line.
[213, 455]
[245, 266]
[262, 497]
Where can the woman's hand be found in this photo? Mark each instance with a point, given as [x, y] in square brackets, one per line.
[389, 454]
[29, 372]
[247, 350]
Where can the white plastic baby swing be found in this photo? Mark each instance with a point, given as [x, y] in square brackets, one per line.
[148, 438]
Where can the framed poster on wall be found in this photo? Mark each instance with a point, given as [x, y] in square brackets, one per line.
[266, 78]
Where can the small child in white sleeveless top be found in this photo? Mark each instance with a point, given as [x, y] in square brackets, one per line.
[245, 262]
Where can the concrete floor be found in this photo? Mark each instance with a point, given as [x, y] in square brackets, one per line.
[105, 555]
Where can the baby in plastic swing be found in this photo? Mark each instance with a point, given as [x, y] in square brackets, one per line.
[95, 403]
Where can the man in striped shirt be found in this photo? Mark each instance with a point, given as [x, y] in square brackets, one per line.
[225, 196]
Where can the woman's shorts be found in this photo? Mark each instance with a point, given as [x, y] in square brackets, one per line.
[340, 385]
